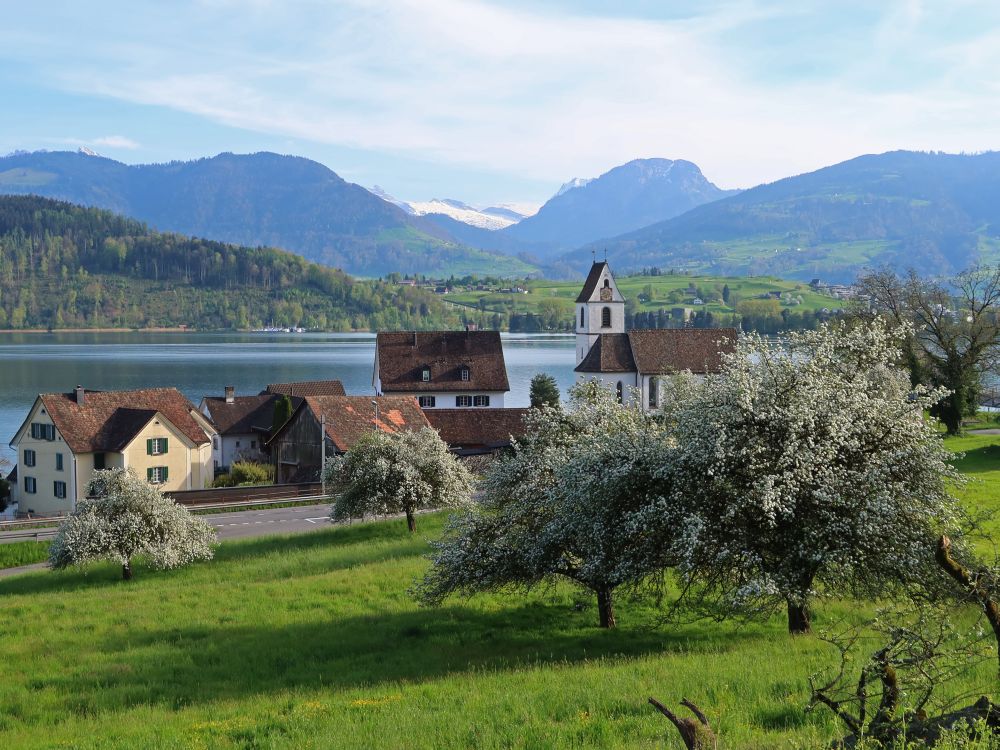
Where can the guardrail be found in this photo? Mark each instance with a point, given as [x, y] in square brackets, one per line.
[261, 503]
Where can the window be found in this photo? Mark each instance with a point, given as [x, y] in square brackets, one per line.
[619, 389]
[156, 446]
[607, 283]
[463, 400]
[59, 462]
[215, 443]
[237, 443]
[99, 461]
[427, 402]
[481, 401]
[41, 431]
[253, 445]
[426, 374]
[581, 316]
[59, 489]
[465, 374]
[605, 317]
[29, 485]
[29, 457]
[156, 474]
[654, 387]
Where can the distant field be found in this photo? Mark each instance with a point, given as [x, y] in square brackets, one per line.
[312, 641]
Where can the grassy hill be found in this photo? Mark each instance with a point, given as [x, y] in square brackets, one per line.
[312, 641]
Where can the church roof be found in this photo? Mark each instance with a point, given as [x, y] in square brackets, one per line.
[660, 351]
[592, 280]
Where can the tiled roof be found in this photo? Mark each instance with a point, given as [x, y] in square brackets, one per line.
[492, 428]
[403, 356]
[668, 350]
[307, 388]
[591, 283]
[660, 351]
[349, 418]
[610, 353]
[109, 420]
[246, 414]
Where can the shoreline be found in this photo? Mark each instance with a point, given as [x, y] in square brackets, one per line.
[98, 330]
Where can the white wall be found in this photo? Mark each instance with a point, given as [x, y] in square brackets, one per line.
[446, 399]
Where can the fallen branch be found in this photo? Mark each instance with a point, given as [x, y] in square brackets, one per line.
[697, 735]
[974, 585]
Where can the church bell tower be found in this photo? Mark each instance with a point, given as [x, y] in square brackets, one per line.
[600, 308]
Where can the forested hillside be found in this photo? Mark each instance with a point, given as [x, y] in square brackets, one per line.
[63, 265]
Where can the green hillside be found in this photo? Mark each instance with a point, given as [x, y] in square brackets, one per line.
[64, 266]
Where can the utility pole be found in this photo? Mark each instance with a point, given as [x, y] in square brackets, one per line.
[375, 404]
[322, 444]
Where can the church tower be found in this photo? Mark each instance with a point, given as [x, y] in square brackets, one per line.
[600, 308]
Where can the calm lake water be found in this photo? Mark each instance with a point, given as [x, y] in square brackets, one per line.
[201, 364]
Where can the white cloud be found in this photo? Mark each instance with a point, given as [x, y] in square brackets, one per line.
[548, 95]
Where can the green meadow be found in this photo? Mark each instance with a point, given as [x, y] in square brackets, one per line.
[312, 641]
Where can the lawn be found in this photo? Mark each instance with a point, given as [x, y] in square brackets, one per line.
[311, 641]
[23, 553]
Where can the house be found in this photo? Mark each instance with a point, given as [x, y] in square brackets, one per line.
[244, 423]
[442, 369]
[67, 436]
[635, 359]
[477, 433]
[322, 426]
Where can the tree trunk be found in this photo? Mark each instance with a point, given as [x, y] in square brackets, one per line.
[411, 522]
[798, 617]
[606, 608]
[127, 571]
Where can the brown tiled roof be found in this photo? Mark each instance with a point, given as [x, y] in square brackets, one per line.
[491, 428]
[246, 414]
[349, 418]
[109, 420]
[403, 356]
[591, 283]
[610, 353]
[307, 388]
[677, 349]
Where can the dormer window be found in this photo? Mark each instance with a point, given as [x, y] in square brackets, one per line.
[425, 375]
[465, 373]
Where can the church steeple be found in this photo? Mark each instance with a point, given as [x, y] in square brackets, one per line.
[600, 308]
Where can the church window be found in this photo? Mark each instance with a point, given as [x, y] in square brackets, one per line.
[605, 317]
[607, 283]
[654, 386]
[581, 316]
[619, 390]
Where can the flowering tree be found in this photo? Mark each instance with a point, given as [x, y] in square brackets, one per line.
[807, 464]
[125, 516]
[561, 506]
[397, 473]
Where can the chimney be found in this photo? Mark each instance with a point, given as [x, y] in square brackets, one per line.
[79, 393]
[230, 393]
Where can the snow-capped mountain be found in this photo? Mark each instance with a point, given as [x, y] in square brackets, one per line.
[490, 217]
[576, 182]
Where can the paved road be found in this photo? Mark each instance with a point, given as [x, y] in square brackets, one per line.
[230, 525]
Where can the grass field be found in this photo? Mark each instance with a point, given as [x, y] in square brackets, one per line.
[312, 641]
[23, 553]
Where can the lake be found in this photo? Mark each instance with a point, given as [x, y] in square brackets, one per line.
[200, 364]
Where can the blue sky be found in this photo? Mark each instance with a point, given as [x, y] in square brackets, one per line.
[496, 102]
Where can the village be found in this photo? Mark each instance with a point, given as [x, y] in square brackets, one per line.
[454, 382]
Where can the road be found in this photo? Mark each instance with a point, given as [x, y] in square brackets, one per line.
[244, 523]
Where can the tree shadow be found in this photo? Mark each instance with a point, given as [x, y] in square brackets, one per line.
[197, 664]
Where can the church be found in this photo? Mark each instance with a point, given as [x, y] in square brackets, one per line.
[625, 360]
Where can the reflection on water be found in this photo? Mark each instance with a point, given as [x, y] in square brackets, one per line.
[203, 363]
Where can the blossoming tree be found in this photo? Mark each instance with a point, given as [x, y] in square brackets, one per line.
[807, 466]
[560, 506]
[397, 473]
[125, 516]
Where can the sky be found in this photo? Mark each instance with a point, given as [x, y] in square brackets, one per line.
[501, 102]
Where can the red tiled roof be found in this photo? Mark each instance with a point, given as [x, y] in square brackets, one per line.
[246, 414]
[109, 420]
[307, 388]
[477, 427]
[668, 350]
[610, 353]
[348, 418]
[402, 356]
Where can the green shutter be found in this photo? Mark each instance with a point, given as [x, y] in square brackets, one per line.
[149, 447]
[149, 475]
[164, 444]
[165, 473]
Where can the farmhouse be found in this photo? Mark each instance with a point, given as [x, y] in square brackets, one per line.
[323, 426]
[67, 436]
[635, 359]
[442, 369]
